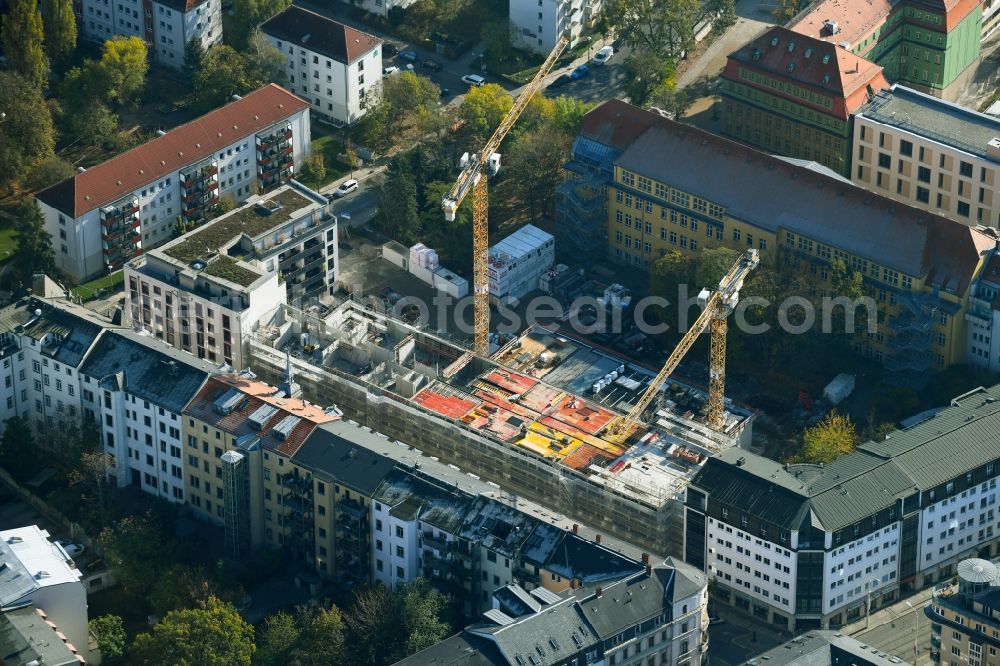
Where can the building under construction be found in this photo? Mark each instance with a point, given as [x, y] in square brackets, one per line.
[527, 420]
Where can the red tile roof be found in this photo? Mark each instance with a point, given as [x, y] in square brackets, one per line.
[616, 123]
[184, 145]
[318, 33]
[811, 63]
[257, 394]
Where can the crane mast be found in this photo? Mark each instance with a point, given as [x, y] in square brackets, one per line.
[473, 179]
[717, 306]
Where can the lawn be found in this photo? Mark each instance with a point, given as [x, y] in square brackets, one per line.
[100, 286]
[331, 148]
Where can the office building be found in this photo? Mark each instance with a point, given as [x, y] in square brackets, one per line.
[655, 616]
[536, 25]
[107, 214]
[825, 648]
[965, 616]
[207, 290]
[816, 546]
[135, 388]
[165, 25]
[917, 266]
[39, 574]
[794, 95]
[334, 66]
[929, 154]
[517, 261]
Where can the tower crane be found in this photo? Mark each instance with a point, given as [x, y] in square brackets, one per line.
[717, 306]
[473, 178]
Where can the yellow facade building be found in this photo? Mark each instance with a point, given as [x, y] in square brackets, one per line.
[678, 188]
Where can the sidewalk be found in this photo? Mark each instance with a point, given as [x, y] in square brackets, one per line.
[891, 613]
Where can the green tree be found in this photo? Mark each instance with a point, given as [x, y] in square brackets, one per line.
[645, 72]
[26, 133]
[224, 72]
[831, 438]
[194, 56]
[665, 28]
[568, 113]
[92, 477]
[264, 61]
[376, 131]
[33, 251]
[109, 630]
[322, 638]
[124, 63]
[180, 586]
[314, 169]
[712, 264]
[85, 115]
[250, 14]
[18, 453]
[351, 157]
[422, 611]
[671, 99]
[377, 635]
[48, 172]
[484, 107]
[407, 92]
[60, 29]
[535, 159]
[278, 637]
[23, 37]
[137, 549]
[212, 635]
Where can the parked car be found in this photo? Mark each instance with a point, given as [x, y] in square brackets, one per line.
[389, 49]
[580, 72]
[561, 81]
[72, 549]
[408, 55]
[432, 65]
[474, 79]
[346, 188]
[603, 55]
[389, 71]
[445, 92]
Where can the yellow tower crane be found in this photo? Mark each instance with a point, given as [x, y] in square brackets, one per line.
[473, 178]
[717, 306]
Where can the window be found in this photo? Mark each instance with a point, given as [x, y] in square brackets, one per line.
[924, 174]
[884, 161]
[963, 209]
[923, 195]
[965, 169]
[905, 148]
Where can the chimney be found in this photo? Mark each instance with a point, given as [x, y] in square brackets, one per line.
[574, 584]
[649, 569]
[597, 538]
[576, 528]
[645, 558]
[598, 592]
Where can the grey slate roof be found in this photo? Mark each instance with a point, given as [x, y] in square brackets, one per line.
[824, 648]
[933, 118]
[25, 638]
[462, 649]
[774, 194]
[954, 441]
[542, 638]
[152, 370]
[332, 451]
[16, 582]
[434, 504]
[76, 327]
[572, 557]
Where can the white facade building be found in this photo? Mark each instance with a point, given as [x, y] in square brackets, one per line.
[165, 25]
[982, 345]
[37, 571]
[206, 291]
[337, 68]
[518, 261]
[102, 217]
[137, 388]
[537, 24]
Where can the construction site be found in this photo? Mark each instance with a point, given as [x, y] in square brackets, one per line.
[528, 419]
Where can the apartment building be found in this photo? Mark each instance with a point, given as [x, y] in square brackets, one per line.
[517, 261]
[206, 291]
[965, 616]
[334, 66]
[536, 25]
[104, 216]
[815, 546]
[930, 154]
[982, 347]
[240, 435]
[918, 267]
[43, 344]
[794, 95]
[165, 25]
[38, 574]
[655, 616]
[136, 387]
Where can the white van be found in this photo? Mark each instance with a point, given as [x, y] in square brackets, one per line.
[474, 79]
[604, 55]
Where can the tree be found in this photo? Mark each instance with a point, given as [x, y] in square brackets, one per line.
[33, 251]
[22, 37]
[124, 63]
[535, 159]
[96, 489]
[264, 61]
[645, 72]
[484, 107]
[314, 168]
[422, 610]
[665, 28]
[48, 172]
[831, 438]
[224, 73]
[568, 113]
[377, 635]
[250, 14]
[322, 638]
[26, 133]
[194, 56]
[212, 635]
[407, 92]
[278, 637]
[351, 157]
[18, 454]
[60, 29]
[671, 99]
[71, 442]
[179, 587]
[137, 549]
[109, 630]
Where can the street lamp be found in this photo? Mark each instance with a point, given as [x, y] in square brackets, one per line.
[482, 65]
[916, 617]
[868, 587]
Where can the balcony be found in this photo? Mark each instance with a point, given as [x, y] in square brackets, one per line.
[911, 340]
[523, 573]
[438, 543]
[352, 509]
